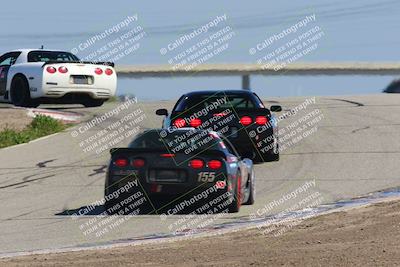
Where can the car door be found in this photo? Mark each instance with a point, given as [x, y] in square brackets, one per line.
[6, 61]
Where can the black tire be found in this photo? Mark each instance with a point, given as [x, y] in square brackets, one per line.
[91, 103]
[275, 154]
[251, 187]
[272, 155]
[234, 206]
[20, 94]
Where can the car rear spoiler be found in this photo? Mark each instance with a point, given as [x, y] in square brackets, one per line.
[208, 152]
[111, 64]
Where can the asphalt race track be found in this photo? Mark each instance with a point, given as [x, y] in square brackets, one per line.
[355, 150]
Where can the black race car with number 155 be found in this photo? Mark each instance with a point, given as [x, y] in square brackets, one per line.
[180, 170]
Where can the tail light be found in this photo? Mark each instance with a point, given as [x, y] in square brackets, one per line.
[179, 122]
[98, 71]
[196, 163]
[121, 162]
[214, 164]
[261, 120]
[62, 69]
[246, 120]
[138, 163]
[51, 69]
[108, 72]
[195, 122]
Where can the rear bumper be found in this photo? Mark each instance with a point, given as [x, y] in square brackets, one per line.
[92, 92]
[252, 139]
[192, 183]
[172, 199]
[167, 189]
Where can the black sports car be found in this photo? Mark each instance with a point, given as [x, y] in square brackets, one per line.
[178, 170]
[238, 114]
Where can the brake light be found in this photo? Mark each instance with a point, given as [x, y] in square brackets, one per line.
[121, 162]
[196, 163]
[167, 155]
[138, 163]
[98, 71]
[180, 123]
[195, 122]
[214, 164]
[51, 70]
[245, 120]
[63, 69]
[108, 72]
[261, 120]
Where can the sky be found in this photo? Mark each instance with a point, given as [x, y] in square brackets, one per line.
[359, 30]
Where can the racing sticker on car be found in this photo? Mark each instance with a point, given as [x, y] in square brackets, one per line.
[206, 177]
[220, 184]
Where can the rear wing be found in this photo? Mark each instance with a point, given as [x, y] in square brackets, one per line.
[111, 64]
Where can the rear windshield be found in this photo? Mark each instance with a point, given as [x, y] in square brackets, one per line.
[199, 102]
[46, 56]
[178, 141]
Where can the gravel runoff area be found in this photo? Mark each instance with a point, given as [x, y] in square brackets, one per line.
[364, 236]
[16, 119]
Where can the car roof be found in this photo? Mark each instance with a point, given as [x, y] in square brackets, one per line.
[212, 92]
[27, 50]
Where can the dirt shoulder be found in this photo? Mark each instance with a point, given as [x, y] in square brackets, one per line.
[367, 236]
[16, 119]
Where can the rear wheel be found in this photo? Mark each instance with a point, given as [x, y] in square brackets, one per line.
[252, 193]
[271, 155]
[237, 196]
[90, 103]
[20, 95]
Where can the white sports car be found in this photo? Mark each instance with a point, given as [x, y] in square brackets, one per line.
[30, 77]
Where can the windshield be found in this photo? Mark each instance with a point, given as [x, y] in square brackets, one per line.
[223, 101]
[46, 56]
[178, 141]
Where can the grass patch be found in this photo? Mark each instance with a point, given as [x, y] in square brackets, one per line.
[39, 127]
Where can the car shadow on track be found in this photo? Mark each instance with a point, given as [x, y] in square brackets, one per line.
[83, 211]
[156, 206]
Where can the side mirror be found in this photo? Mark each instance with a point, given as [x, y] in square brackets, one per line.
[162, 112]
[276, 108]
